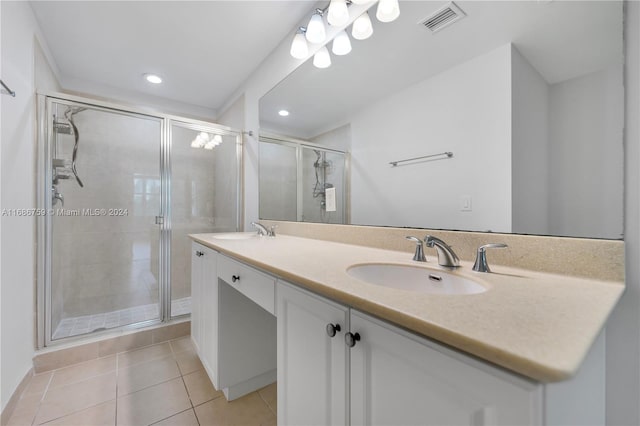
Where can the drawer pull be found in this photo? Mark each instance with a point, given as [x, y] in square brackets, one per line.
[235, 278]
[332, 329]
[351, 339]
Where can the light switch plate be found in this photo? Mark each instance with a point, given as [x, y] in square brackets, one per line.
[465, 203]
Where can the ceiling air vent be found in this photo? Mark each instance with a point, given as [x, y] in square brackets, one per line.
[442, 18]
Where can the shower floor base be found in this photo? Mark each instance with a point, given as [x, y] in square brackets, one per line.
[75, 326]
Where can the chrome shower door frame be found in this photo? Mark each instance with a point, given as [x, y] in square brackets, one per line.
[45, 155]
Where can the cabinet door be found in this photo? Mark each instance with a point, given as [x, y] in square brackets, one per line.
[312, 366]
[401, 379]
[209, 314]
[196, 295]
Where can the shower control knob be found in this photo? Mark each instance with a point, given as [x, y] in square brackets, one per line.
[350, 339]
[235, 278]
[332, 329]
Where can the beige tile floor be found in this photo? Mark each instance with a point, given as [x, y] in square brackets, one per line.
[163, 384]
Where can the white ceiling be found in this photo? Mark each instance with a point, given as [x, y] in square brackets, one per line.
[561, 39]
[204, 50]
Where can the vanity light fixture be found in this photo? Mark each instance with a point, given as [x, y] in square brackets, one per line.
[362, 28]
[388, 10]
[322, 59]
[153, 78]
[338, 13]
[316, 32]
[341, 44]
[283, 113]
[299, 46]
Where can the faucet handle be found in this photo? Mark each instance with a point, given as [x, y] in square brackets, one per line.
[272, 231]
[419, 254]
[481, 264]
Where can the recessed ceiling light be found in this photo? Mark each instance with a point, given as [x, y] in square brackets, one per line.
[152, 78]
[283, 113]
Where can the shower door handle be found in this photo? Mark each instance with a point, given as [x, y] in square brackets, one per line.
[159, 220]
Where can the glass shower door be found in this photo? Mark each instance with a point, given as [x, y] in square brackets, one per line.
[204, 196]
[105, 178]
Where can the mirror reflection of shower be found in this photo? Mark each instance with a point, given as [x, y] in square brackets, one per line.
[322, 168]
[64, 168]
[302, 182]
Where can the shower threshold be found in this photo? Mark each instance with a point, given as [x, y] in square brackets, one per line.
[75, 326]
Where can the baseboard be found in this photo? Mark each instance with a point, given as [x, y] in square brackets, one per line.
[7, 412]
[251, 385]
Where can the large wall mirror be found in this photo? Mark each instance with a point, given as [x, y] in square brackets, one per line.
[528, 97]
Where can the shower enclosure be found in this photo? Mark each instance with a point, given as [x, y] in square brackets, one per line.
[302, 182]
[119, 191]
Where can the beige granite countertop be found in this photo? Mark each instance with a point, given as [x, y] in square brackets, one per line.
[540, 325]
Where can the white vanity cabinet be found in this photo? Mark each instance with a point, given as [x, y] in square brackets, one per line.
[232, 322]
[394, 377]
[312, 359]
[400, 378]
[204, 306]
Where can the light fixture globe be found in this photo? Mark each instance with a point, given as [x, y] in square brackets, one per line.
[299, 47]
[322, 59]
[341, 44]
[388, 10]
[338, 13]
[360, 1]
[316, 32]
[362, 28]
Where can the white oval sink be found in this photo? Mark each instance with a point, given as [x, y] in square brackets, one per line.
[414, 278]
[236, 236]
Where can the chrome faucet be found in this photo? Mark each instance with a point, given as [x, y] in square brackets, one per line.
[262, 230]
[419, 254]
[446, 255]
[481, 264]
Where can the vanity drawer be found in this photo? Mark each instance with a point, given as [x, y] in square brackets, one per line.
[253, 284]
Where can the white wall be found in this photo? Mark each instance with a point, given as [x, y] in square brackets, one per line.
[585, 174]
[19, 29]
[338, 138]
[466, 110]
[529, 144]
[623, 333]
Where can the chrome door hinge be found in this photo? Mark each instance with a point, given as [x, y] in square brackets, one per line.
[159, 220]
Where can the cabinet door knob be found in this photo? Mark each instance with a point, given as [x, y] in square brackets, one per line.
[199, 253]
[332, 329]
[350, 339]
[235, 278]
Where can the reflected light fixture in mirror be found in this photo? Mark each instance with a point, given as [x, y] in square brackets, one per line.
[362, 28]
[316, 32]
[322, 59]
[388, 10]
[338, 13]
[299, 47]
[283, 113]
[341, 44]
